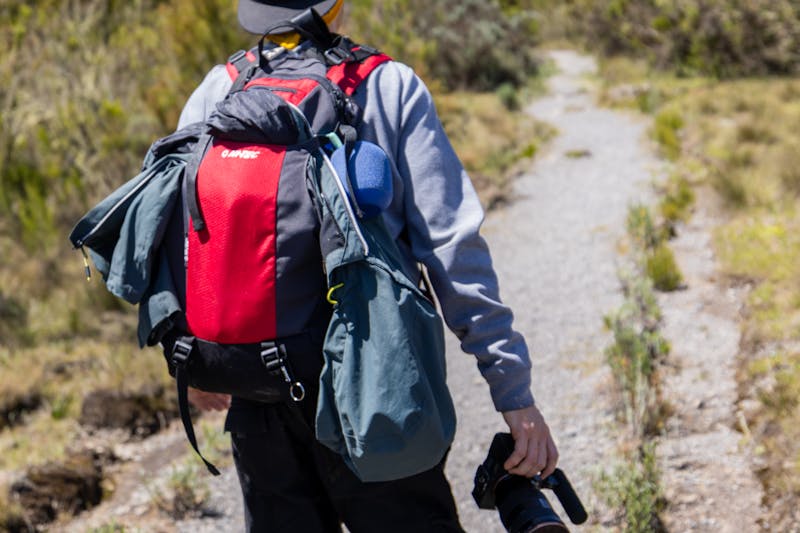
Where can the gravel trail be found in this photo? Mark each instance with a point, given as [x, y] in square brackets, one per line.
[554, 249]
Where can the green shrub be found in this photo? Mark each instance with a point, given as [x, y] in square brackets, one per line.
[633, 356]
[677, 200]
[508, 96]
[722, 38]
[662, 269]
[462, 44]
[666, 131]
[642, 229]
[633, 487]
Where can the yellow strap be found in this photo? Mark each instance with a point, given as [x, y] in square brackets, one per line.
[329, 297]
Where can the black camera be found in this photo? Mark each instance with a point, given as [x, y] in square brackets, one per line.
[522, 506]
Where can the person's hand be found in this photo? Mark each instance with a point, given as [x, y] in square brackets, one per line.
[209, 401]
[534, 449]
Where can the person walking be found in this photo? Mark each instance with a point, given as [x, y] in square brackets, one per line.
[290, 482]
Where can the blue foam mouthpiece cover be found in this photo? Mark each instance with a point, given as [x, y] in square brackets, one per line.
[370, 173]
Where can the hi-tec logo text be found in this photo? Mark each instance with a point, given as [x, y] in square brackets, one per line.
[240, 154]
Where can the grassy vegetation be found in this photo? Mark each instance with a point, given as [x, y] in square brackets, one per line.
[478, 45]
[12, 517]
[635, 356]
[651, 248]
[741, 140]
[633, 487]
[720, 38]
[186, 491]
[491, 140]
[60, 375]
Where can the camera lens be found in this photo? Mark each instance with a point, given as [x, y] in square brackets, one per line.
[524, 509]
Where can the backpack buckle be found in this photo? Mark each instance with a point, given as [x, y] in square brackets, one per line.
[271, 356]
[274, 358]
[181, 351]
[338, 55]
[238, 55]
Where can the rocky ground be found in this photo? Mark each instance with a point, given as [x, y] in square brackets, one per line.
[555, 248]
[705, 455]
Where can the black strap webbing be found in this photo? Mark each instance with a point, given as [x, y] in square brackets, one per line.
[190, 176]
[181, 352]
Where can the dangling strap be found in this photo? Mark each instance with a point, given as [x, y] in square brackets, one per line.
[181, 352]
[190, 179]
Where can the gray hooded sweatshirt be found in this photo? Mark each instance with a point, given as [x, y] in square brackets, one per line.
[435, 217]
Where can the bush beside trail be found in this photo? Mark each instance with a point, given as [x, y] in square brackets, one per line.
[721, 38]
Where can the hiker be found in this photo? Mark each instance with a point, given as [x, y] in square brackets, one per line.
[291, 482]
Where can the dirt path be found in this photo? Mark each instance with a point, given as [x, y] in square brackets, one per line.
[706, 468]
[556, 253]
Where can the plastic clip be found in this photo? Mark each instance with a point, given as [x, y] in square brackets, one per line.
[275, 359]
[181, 351]
[338, 55]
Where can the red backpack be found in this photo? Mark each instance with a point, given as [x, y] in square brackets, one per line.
[220, 239]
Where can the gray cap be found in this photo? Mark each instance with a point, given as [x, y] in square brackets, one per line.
[258, 16]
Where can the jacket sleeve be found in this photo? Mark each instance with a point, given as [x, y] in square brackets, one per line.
[203, 100]
[437, 208]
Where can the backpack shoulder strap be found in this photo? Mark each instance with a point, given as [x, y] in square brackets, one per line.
[348, 75]
[238, 62]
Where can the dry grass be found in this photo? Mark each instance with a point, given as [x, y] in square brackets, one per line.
[60, 375]
[490, 139]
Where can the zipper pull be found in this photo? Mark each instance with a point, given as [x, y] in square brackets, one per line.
[86, 266]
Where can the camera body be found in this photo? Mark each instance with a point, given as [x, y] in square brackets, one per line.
[522, 506]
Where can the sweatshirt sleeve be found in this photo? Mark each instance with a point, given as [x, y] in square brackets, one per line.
[203, 100]
[442, 217]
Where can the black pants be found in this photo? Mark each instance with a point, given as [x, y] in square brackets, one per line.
[292, 483]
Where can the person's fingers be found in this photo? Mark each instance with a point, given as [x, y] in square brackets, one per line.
[519, 453]
[541, 456]
[535, 458]
[552, 458]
